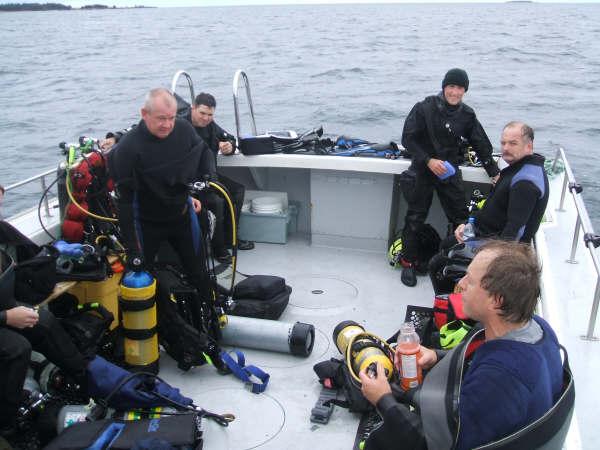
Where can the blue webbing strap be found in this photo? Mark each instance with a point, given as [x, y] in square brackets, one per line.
[108, 436]
[196, 232]
[245, 373]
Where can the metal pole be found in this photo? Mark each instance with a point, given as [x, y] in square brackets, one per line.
[563, 193]
[555, 159]
[44, 187]
[572, 259]
[189, 81]
[592, 324]
[240, 75]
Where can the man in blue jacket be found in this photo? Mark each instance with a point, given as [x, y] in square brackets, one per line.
[510, 380]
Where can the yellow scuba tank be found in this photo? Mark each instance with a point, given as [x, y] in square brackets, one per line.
[362, 350]
[138, 320]
[105, 292]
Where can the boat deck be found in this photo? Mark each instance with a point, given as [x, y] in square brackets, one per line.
[334, 284]
[356, 285]
[361, 286]
[568, 293]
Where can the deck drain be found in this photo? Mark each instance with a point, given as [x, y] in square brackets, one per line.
[323, 292]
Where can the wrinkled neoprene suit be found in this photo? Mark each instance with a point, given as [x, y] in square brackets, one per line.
[212, 134]
[151, 178]
[432, 130]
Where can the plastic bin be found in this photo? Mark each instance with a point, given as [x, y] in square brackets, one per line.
[270, 228]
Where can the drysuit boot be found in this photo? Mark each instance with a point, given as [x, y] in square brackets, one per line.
[222, 255]
[245, 245]
[409, 275]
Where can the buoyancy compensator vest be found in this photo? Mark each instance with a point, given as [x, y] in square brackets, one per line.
[178, 311]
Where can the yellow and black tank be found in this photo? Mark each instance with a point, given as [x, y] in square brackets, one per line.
[138, 321]
[362, 350]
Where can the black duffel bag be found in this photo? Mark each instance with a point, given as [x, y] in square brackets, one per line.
[261, 297]
[179, 431]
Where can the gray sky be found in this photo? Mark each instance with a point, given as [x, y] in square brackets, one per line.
[78, 3]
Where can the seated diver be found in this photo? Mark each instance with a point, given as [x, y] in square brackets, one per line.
[517, 201]
[22, 329]
[201, 116]
[510, 380]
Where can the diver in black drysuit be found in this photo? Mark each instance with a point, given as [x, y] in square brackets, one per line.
[212, 134]
[435, 129]
[201, 116]
[516, 204]
[152, 177]
[17, 339]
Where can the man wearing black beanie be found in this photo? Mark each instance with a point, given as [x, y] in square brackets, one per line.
[436, 133]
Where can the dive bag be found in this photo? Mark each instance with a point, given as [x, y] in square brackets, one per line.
[112, 386]
[175, 432]
[261, 297]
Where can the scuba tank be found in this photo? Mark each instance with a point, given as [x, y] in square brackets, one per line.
[295, 338]
[71, 414]
[152, 413]
[362, 350]
[50, 378]
[138, 320]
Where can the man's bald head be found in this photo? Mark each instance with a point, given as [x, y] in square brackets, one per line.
[159, 112]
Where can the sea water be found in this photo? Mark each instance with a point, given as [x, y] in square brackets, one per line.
[355, 69]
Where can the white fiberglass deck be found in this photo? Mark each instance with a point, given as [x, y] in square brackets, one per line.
[568, 291]
[356, 285]
[361, 286]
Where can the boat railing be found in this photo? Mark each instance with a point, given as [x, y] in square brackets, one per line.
[583, 223]
[41, 178]
[187, 76]
[241, 77]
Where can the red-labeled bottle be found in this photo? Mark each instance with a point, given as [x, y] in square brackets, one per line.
[408, 351]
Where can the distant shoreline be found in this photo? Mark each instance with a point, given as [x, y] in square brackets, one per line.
[14, 7]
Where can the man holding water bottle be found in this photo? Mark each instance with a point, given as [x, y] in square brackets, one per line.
[437, 133]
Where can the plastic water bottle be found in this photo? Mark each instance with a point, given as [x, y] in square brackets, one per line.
[408, 348]
[469, 231]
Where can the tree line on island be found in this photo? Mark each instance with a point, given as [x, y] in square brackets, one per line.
[52, 7]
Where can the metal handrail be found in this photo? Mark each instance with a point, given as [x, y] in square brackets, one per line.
[189, 80]
[583, 222]
[240, 75]
[40, 176]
